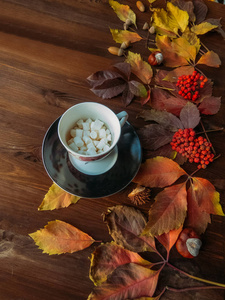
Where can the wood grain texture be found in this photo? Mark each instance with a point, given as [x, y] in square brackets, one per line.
[47, 50]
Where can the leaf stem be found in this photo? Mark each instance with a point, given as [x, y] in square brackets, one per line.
[211, 130]
[192, 288]
[221, 285]
[207, 137]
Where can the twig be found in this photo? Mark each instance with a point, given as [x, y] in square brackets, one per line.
[207, 137]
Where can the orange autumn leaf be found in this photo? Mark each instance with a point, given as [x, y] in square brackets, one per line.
[206, 196]
[58, 237]
[123, 12]
[210, 59]
[168, 211]
[57, 198]
[169, 239]
[171, 58]
[140, 68]
[158, 172]
[110, 256]
[120, 36]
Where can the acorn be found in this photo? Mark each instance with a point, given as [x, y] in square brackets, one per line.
[145, 26]
[155, 58]
[127, 24]
[152, 29]
[140, 195]
[116, 51]
[125, 45]
[140, 6]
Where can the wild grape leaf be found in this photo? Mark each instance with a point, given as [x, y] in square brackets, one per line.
[210, 59]
[120, 36]
[162, 101]
[108, 257]
[210, 105]
[58, 237]
[172, 76]
[128, 281]
[189, 115]
[127, 96]
[203, 28]
[98, 78]
[137, 88]
[200, 10]
[206, 196]
[57, 198]
[139, 67]
[123, 12]
[188, 6]
[125, 225]
[159, 172]
[196, 218]
[110, 88]
[124, 69]
[168, 211]
[171, 56]
[154, 136]
[219, 26]
[164, 118]
[169, 239]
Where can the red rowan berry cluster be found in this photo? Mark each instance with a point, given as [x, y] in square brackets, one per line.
[189, 85]
[196, 149]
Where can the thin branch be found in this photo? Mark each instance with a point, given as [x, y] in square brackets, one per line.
[194, 288]
[207, 137]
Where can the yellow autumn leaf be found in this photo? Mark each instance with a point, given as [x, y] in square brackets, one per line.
[59, 237]
[210, 59]
[139, 67]
[177, 18]
[192, 39]
[182, 47]
[170, 21]
[171, 57]
[57, 198]
[121, 36]
[123, 12]
[203, 28]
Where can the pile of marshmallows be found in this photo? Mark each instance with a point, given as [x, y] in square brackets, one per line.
[90, 137]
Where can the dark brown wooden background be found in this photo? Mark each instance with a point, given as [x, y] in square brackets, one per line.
[47, 50]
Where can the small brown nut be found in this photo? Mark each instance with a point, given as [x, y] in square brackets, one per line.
[145, 26]
[116, 51]
[152, 29]
[125, 45]
[140, 6]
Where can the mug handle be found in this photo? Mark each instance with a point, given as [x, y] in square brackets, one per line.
[122, 116]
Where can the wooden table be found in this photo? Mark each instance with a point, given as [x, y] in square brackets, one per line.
[47, 50]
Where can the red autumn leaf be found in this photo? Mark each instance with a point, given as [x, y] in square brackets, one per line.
[154, 136]
[108, 257]
[206, 196]
[168, 211]
[210, 105]
[164, 118]
[159, 172]
[169, 239]
[146, 99]
[162, 101]
[196, 218]
[189, 115]
[125, 226]
[59, 237]
[129, 281]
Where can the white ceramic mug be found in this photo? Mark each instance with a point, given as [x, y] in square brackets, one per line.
[94, 111]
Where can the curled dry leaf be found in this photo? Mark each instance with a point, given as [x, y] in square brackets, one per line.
[58, 237]
[128, 281]
[123, 12]
[139, 195]
[120, 36]
[107, 257]
[125, 225]
[57, 198]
